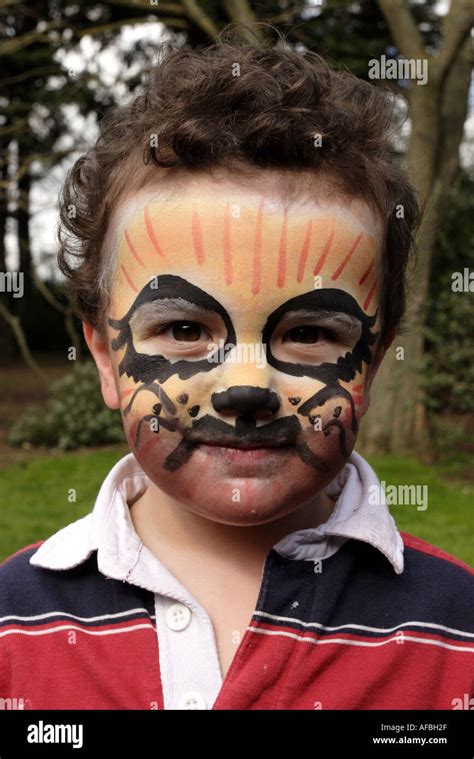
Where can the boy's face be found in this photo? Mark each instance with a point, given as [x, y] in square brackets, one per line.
[242, 336]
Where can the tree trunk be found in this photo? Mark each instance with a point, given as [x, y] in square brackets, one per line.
[396, 420]
[7, 342]
[24, 242]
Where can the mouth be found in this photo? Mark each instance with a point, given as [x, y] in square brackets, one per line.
[243, 444]
[246, 445]
[244, 453]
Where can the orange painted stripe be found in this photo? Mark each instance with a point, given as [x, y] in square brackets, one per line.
[130, 283]
[282, 252]
[346, 260]
[226, 248]
[152, 235]
[370, 296]
[257, 251]
[197, 237]
[133, 250]
[323, 256]
[304, 252]
[366, 273]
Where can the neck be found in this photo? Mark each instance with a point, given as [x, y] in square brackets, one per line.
[167, 526]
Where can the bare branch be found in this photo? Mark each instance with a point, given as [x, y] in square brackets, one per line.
[160, 7]
[403, 28]
[66, 310]
[15, 44]
[180, 23]
[17, 329]
[457, 26]
[241, 12]
[196, 14]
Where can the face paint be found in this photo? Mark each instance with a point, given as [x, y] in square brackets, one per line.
[242, 441]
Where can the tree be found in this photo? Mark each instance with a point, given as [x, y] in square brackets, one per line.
[397, 417]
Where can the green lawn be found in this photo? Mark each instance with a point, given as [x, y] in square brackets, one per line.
[34, 494]
[34, 498]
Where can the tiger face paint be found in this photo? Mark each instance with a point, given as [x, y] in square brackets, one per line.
[242, 331]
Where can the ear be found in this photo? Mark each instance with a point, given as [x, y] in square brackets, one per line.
[379, 354]
[99, 348]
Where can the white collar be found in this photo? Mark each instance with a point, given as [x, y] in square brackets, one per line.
[109, 529]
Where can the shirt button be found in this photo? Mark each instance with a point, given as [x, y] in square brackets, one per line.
[192, 700]
[178, 617]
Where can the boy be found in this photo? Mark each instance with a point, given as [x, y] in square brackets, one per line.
[236, 257]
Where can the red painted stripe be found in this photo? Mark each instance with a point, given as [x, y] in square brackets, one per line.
[257, 251]
[304, 252]
[370, 296]
[196, 232]
[323, 256]
[133, 250]
[226, 248]
[346, 260]
[126, 275]
[366, 273]
[152, 235]
[282, 252]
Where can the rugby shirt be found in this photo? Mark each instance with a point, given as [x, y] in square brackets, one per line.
[350, 615]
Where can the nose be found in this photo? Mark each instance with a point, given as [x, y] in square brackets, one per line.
[246, 400]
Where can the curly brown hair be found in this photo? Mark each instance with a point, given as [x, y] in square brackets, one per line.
[240, 107]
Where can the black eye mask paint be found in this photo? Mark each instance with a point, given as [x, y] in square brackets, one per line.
[346, 366]
[143, 367]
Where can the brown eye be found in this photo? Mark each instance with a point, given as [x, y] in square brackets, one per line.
[186, 331]
[305, 334]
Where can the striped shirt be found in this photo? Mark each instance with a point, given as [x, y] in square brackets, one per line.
[351, 614]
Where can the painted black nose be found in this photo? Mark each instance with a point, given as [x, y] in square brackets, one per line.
[246, 400]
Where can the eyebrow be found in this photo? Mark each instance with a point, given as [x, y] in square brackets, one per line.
[340, 318]
[162, 308]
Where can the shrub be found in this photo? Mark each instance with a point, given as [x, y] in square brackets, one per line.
[74, 416]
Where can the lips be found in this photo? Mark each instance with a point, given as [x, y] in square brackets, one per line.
[245, 435]
[245, 445]
[217, 437]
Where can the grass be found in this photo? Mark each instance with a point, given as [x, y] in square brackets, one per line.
[448, 522]
[35, 497]
[34, 494]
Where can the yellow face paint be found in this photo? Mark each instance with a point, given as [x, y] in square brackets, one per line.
[242, 333]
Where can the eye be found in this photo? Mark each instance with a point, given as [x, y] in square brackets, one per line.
[308, 334]
[184, 331]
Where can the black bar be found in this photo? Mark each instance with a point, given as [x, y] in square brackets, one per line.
[291, 733]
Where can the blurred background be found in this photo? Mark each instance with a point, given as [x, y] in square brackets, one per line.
[63, 65]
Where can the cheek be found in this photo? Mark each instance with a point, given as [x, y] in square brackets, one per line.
[156, 415]
[329, 417]
[356, 389]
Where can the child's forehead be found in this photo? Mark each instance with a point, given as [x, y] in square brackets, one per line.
[243, 247]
